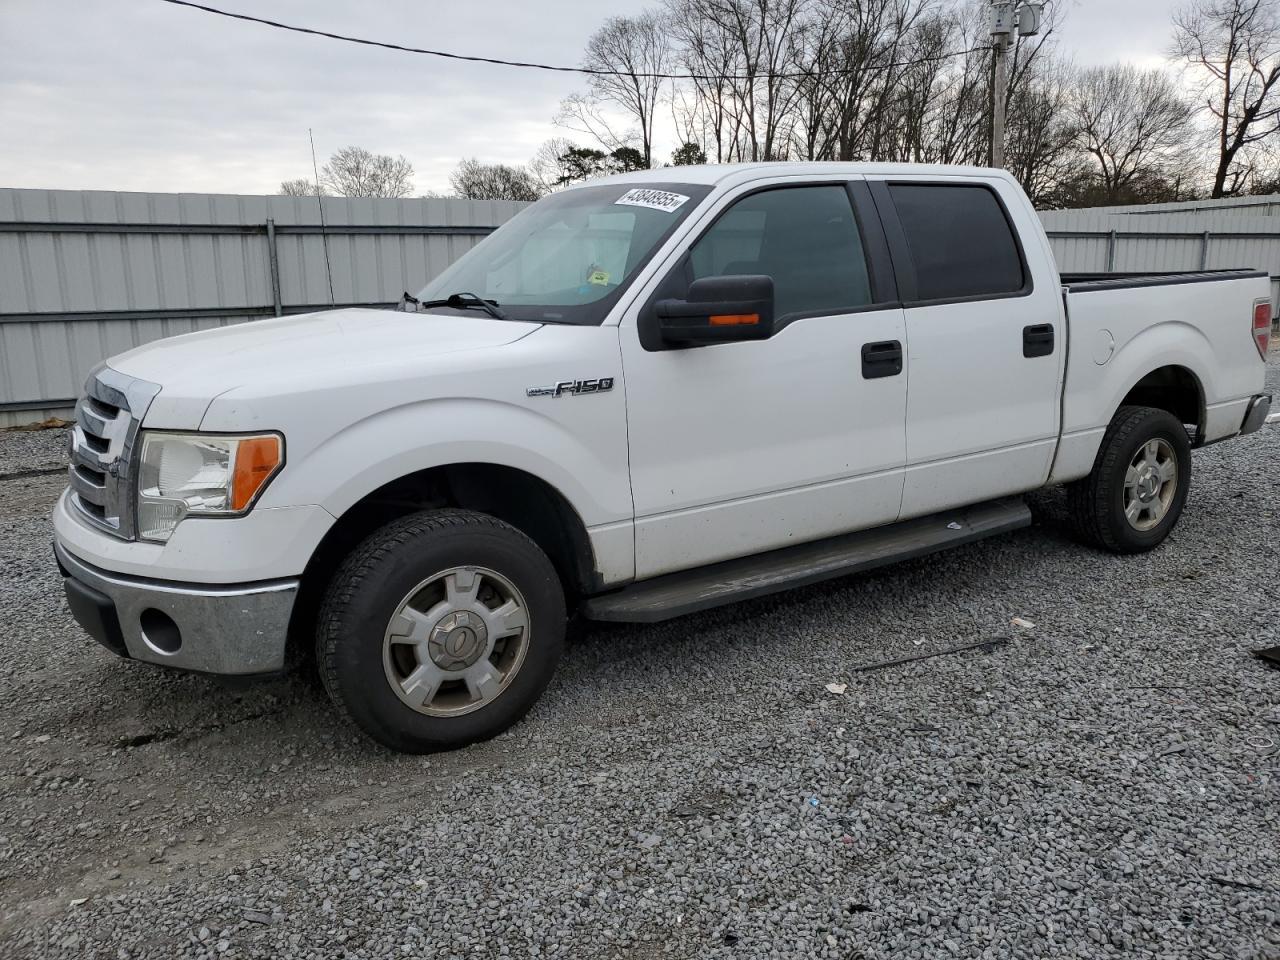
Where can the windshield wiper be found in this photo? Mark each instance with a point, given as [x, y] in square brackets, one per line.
[461, 301]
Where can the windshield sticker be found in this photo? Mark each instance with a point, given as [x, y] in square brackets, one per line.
[653, 199]
[599, 278]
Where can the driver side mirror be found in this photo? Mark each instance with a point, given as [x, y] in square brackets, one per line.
[719, 309]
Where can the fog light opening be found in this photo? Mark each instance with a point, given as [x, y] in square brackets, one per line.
[159, 631]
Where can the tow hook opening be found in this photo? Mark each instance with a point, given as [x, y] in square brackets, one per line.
[159, 631]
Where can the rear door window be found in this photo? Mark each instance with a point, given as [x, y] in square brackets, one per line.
[961, 242]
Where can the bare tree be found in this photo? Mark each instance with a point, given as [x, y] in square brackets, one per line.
[1131, 122]
[474, 180]
[875, 42]
[943, 102]
[889, 80]
[1265, 175]
[768, 33]
[355, 172]
[1041, 141]
[747, 51]
[551, 164]
[700, 106]
[815, 52]
[1233, 47]
[632, 50]
[301, 188]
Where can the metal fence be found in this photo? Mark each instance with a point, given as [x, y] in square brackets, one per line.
[88, 274]
[1143, 239]
[1267, 205]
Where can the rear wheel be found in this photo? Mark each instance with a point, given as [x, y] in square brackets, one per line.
[1134, 496]
[441, 629]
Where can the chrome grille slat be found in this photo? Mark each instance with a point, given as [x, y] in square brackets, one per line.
[88, 491]
[91, 422]
[100, 408]
[82, 453]
[102, 444]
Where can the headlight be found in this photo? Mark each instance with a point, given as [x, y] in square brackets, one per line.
[201, 475]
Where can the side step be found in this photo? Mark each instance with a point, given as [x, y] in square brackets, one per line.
[689, 591]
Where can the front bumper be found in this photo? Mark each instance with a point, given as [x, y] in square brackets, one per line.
[236, 629]
[1256, 415]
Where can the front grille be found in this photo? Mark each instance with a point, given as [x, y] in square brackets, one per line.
[102, 449]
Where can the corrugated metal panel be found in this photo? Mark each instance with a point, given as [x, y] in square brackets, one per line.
[204, 253]
[48, 360]
[1207, 237]
[1174, 241]
[209, 253]
[1159, 253]
[29, 415]
[1080, 254]
[1266, 205]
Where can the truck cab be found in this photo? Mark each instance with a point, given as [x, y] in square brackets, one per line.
[640, 397]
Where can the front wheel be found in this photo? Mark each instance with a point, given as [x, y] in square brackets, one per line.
[441, 629]
[1134, 496]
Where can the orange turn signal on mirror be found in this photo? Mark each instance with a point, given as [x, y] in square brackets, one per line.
[734, 319]
[257, 459]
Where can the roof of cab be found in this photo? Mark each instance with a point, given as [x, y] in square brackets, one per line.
[727, 173]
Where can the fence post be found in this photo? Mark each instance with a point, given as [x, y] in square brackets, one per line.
[1204, 250]
[1111, 251]
[275, 266]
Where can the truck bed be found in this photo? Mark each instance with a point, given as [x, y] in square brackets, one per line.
[1086, 282]
[1193, 327]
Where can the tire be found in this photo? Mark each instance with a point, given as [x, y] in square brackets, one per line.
[1109, 514]
[404, 634]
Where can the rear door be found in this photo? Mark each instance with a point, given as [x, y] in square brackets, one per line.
[985, 339]
[737, 448]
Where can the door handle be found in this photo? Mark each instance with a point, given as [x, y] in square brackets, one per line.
[1037, 340]
[882, 359]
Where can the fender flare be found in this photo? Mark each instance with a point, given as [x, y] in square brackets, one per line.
[1167, 344]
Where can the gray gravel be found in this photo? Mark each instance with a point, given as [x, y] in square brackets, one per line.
[27, 451]
[1103, 783]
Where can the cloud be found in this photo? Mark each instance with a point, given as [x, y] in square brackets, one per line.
[148, 96]
[1099, 32]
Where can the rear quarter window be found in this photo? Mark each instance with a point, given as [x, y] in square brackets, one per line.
[960, 239]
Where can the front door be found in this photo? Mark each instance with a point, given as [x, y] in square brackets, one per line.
[738, 448]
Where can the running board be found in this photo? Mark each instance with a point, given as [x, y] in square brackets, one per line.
[689, 591]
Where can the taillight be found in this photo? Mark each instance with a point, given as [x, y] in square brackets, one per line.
[1262, 325]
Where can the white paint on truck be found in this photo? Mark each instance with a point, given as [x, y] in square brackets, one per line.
[888, 342]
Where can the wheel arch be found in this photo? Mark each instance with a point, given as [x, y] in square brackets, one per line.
[1174, 388]
[528, 502]
[1167, 365]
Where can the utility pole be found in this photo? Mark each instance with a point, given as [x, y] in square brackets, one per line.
[1002, 17]
[1006, 16]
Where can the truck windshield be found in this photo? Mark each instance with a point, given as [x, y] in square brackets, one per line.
[569, 257]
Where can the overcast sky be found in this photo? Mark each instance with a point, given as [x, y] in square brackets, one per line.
[143, 95]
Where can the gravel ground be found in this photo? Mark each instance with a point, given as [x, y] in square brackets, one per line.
[1101, 783]
[26, 452]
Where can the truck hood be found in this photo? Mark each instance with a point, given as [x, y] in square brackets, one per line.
[329, 346]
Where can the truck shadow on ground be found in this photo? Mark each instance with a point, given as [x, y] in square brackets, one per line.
[160, 707]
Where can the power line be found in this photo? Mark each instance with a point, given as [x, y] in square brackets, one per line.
[590, 71]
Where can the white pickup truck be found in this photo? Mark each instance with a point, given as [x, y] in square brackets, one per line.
[641, 397]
